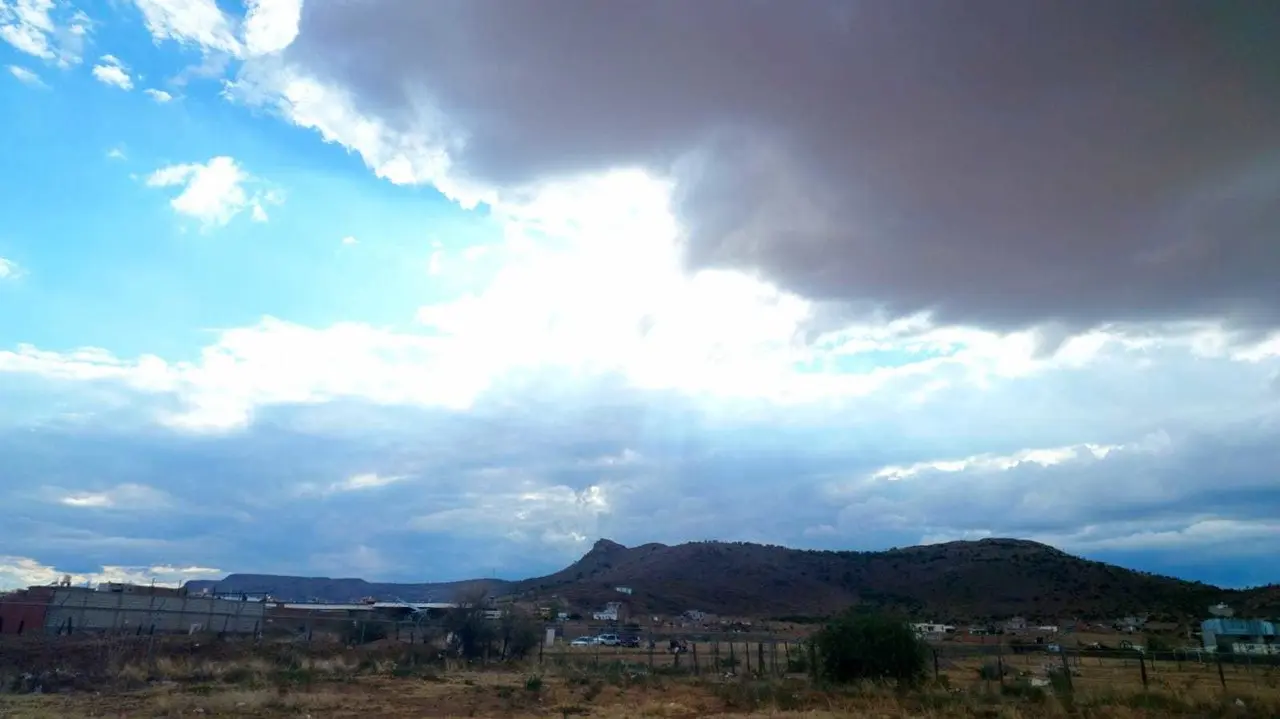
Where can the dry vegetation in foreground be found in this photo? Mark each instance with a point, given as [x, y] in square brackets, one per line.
[359, 683]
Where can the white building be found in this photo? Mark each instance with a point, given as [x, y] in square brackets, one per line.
[610, 613]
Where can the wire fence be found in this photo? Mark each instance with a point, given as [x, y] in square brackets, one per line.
[95, 641]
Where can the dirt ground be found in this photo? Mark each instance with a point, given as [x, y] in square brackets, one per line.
[196, 679]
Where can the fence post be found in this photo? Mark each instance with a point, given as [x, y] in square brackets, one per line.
[786, 657]
[746, 657]
[694, 648]
[1142, 666]
[760, 658]
[652, 641]
[935, 664]
[733, 660]
[813, 658]
[1221, 677]
[1066, 671]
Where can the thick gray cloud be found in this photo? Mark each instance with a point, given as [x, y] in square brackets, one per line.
[1001, 163]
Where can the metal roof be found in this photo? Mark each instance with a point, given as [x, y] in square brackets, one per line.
[1239, 627]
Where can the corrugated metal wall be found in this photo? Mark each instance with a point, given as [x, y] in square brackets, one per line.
[86, 610]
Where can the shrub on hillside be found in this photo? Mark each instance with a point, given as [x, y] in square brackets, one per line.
[859, 646]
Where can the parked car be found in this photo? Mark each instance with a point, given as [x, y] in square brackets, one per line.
[584, 642]
[609, 640]
[629, 641]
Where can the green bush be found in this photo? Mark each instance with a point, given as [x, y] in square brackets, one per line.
[864, 646]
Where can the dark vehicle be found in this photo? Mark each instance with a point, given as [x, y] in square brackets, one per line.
[629, 640]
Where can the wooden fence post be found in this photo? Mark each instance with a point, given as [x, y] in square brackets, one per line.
[1142, 666]
[1066, 671]
[1221, 677]
[760, 658]
[694, 647]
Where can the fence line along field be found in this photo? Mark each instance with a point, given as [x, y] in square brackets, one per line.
[132, 674]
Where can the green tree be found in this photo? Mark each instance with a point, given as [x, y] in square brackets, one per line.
[469, 632]
[519, 634]
[858, 646]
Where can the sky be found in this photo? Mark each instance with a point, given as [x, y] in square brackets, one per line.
[419, 291]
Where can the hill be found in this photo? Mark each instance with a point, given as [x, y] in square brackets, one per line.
[305, 589]
[956, 581]
[989, 578]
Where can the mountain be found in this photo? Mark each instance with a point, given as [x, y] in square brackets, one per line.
[305, 589]
[955, 581]
[959, 581]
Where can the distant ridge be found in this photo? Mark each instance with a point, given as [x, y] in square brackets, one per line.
[961, 581]
[306, 589]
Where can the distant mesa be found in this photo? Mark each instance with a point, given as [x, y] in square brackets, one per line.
[996, 577]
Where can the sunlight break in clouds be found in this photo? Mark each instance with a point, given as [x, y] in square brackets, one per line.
[654, 304]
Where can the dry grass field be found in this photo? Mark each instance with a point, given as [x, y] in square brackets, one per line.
[386, 681]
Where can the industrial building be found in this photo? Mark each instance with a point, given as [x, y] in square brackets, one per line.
[142, 609]
[75, 609]
[23, 611]
[1240, 636]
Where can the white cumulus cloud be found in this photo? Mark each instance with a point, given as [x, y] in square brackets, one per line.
[9, 269]
[159, 96]
[270, 25]
[122, 497]
[18, 572]
[44, 29]
[111, 71]
[214, 192]
[192, 22]
[25, 76]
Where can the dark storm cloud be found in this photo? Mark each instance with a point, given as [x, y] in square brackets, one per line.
[1004, 163]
